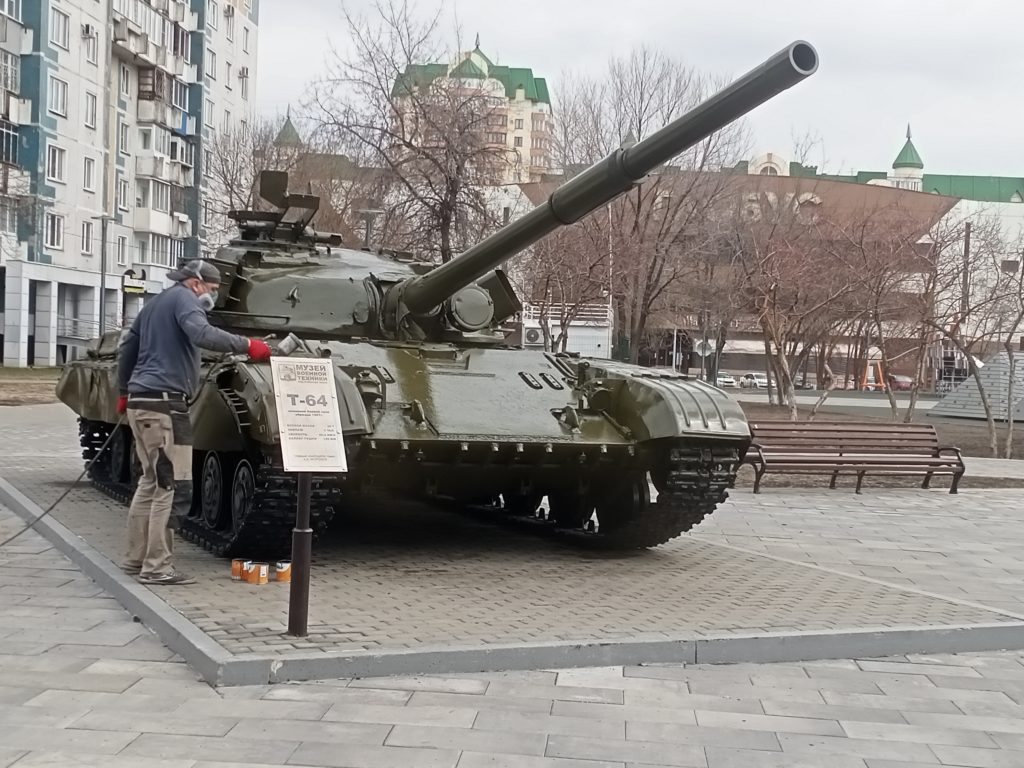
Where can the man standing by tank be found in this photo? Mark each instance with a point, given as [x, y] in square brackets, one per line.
[158, 373]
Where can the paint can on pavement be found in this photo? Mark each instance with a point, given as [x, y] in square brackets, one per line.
[283, 571]
[236, 569]
[259, 573]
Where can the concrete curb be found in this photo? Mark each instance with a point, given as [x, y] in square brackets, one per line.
[220, 668]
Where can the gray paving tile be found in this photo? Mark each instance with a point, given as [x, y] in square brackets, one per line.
[32, 737]
[358, 756]
[719, 757]
[142, 668]
[537, 722]
[12, 695]
[890, 702]
[458, 717]
[120, 702]
[555, 692]
[822, 747]
[9, 756]
[645, 752]
[311, 730]
[467, 739]
[1009, 740]
[967, 722]
[434, 684]
[830, 712]
[83, 760]
[476, 701]
[685, 700]
[480, 760]
[618, 713]
[782, 693]
[44, 662]
[979, 758]
[211, 748]
[948, 694]
[329, 693]
[69, 681]
[58, 717]
[744, 721]
[188, 689]
[918, 668]
[917, 733]
[702, 735]
[157, 723]
[260, 709]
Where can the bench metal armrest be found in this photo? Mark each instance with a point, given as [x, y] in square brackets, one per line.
[747, 458]
[949, 448]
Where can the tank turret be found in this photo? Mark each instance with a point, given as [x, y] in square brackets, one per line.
[450, 288]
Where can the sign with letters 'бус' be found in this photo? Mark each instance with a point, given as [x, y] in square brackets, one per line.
[307, 413]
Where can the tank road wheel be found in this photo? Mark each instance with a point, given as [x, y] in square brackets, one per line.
[243, 494]
[120, 454]
[570, 510]
[211, 498]
[624, 504]
[521, 504]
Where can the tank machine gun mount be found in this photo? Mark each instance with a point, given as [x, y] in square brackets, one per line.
[291, 219]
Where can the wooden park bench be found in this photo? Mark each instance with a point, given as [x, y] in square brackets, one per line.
[845, 448]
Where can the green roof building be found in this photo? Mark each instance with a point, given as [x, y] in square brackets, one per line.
[908, 172]
[520, 119]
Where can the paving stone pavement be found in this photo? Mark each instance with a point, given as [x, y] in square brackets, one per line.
[410, 577]
[83, 686]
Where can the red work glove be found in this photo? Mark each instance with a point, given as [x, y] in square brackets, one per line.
[258, 350]
[122, 404]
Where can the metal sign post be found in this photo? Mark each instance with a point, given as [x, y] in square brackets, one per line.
[311, 441]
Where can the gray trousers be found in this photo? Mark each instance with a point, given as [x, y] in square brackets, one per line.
[163, 442]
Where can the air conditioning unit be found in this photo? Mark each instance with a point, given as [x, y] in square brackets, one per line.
[88, 31]
[532, 337]
[229, 10]
[243, 72]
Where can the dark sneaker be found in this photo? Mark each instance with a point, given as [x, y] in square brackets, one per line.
[172, 578]
[132, 570]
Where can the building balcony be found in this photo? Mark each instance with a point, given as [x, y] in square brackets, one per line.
[148, 220]
[154, 167]
[154, 111]
[15, 109]
[184, 124]
[18, 39]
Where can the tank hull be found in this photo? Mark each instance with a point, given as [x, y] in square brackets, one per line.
[497, 428]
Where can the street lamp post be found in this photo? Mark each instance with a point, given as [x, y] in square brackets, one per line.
[103, 219]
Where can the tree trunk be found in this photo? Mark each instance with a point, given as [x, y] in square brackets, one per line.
[1011, 368]
[986, 404]
[915, 391]
[825, 392]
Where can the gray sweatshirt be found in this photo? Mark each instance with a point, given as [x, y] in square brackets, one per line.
[160, 353]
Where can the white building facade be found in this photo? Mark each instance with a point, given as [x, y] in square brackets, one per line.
[104, 108]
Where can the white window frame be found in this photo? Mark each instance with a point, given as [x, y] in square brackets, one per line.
[244, 84]
[57, 96]
[245, 39]
[56, 163]
[11, 9]
[212, 12]
[122, 250]
[227, 120]
[89, 174]
[208, 109]
[92, 48]
[123, 202]
[227, 75]
[211, 64]
[123, 138]
[53, 223]
[87, 233]
[10, 71]
[91, 109]
[160, 193]
[60, 22]
[229, 27]
[125, 80]
[9, 215]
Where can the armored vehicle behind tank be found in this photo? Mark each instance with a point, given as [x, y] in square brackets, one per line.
[434, 401]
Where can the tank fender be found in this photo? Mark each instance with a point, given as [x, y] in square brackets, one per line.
[89, 388]
[655, 405]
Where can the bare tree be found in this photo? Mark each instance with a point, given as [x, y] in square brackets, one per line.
[432, 130]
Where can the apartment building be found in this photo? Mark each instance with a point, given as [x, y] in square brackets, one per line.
[104, 110]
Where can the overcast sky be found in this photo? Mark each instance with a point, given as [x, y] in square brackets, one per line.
[951, 68]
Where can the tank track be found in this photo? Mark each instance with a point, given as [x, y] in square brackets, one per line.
[697, 480]
[265, 532]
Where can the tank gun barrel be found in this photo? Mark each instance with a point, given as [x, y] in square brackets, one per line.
[613, 176]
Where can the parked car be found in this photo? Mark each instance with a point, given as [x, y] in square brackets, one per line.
[901, 383]
[725, 380]
[754, 381]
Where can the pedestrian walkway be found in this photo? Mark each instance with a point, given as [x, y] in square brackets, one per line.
[83, 686]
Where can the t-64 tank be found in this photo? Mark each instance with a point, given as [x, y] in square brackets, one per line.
[434, 400]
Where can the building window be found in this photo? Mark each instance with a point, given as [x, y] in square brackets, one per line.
[161, 197]
[87, 238]
[54, 231]
[11, 8]
[142, 249]
[227, 120]
[57, 98]
[244, 81]
[8, 143]
[207, 163]
[10, 71]
[229, 26]
[208, 117]
[211, 64]
[519, 141]
[126, 80]
[161, 250]
[59, 25]
[90, 110]
[55, 158]
[212, 11]
[227, 75]
[89, 174]
[122, 195]
[179, 95]
[9, 215]
[207, 213]
[122, 250]
[177, 251]
[122, 137]
[519, 124]
[92, 48]
[245, 39]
